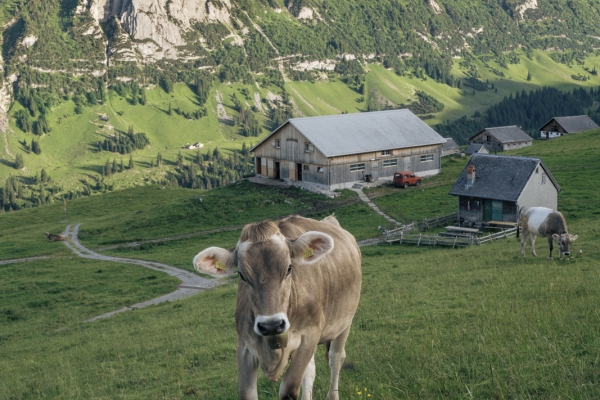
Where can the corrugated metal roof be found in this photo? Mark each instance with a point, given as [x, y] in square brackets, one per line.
[498, 177]
[337, 135]
[575, 124]
[508, 134]
[449, 145]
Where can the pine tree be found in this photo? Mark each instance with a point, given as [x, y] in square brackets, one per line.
[143, 99]
[35, 147]
[19, 162]
[114, 168]
[170, 111]
[198, 157]
[121, 167]
[44, 176]
[159, 160]
[106, 170]
[152, 163]
[528, 75]
[179, 160]
[130, 161]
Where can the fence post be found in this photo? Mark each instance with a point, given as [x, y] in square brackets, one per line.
[454, 244]
[419, 242]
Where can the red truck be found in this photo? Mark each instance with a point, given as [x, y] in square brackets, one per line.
[405, 178]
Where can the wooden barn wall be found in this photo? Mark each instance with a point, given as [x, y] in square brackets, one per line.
[291, 152]
[553, 126]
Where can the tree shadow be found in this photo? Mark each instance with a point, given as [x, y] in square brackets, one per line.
[10, 164]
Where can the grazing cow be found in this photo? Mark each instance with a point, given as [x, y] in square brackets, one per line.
[55, 238]
[299, 287]
[545, 222]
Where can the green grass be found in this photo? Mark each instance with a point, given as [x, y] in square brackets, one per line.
[432, 323]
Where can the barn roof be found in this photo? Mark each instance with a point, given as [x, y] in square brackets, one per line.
[476, 148]
[507, 134]
[449, 145]
[499, 177]
[345, 134]
[574, 124]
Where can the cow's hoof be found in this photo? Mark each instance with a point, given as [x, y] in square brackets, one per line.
[550, 258]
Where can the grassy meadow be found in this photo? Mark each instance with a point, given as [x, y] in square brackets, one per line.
[478, 322]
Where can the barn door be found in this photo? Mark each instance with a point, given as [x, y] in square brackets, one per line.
[487, 210]
[496, 210]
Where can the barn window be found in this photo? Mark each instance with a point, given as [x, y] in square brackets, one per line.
[306, 168]
[320, 170]
[427, 157]
[307, 147]
[277, 143]
[543, 179]
[357, 167]
[385, 152]
[390, 163]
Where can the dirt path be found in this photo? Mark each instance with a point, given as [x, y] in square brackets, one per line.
[22, 260]
[191, 283]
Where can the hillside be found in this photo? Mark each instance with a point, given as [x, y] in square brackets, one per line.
[477, 322]
[76, 74]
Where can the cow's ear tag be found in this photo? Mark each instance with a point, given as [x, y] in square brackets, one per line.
[219, 265]
[309, 252]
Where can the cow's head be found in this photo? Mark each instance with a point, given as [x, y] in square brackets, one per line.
[564, 241]
[265, 260]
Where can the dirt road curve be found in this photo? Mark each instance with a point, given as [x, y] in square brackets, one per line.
[191, 283]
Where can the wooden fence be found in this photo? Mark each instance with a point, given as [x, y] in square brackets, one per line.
[439, 221]
[401, 236]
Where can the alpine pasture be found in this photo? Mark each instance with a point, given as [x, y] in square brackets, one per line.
[479, 322]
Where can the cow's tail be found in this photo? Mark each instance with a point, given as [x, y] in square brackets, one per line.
[518, 226]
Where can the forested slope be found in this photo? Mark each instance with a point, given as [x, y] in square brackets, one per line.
[81, 80]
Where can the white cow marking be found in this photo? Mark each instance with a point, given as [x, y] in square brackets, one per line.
[537, 218]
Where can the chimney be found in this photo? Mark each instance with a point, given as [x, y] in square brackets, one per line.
[470, 175]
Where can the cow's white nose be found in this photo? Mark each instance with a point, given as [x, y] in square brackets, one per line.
[271, 325]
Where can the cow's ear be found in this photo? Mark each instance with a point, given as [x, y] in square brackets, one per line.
[311, 247]
[556, 236]
[215, 261]
[574, 238]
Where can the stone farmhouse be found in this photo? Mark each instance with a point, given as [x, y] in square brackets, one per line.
[560, 126]
[336, 151]
[502, 138]
[494, 188]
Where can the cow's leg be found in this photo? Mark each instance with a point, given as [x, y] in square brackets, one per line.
[300, 363]
[247, 372]
[551, 246]
[523, 241]
[337, 355]
[533, 244]
[309, 379]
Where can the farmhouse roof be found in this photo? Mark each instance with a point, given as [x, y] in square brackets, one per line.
[574, 124]
[499, 177]
[338, 135]
[507, 134]
[449, 145]
[476, 148]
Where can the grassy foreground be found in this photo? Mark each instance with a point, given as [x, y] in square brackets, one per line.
[479, 322]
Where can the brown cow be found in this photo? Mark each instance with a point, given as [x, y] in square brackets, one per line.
[546, 222]
[56, 238]
[299, 287]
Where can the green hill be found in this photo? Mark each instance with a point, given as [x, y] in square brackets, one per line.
[76, 74]
[432, 322]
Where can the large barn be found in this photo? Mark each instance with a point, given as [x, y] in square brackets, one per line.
[336, 151]
[494, 188]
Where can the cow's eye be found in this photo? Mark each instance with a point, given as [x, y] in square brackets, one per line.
[289, 271]
[242, 277]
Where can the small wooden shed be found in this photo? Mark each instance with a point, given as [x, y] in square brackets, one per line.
[336, 151]
[450, 147]
[494, 188]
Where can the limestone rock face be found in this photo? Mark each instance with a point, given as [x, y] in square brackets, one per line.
[157, 27]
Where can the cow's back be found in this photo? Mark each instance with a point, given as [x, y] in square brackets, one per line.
[542, 221]
[326, 293]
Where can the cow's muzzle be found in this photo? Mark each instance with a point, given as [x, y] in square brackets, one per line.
[271, 325]
[567, 253]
